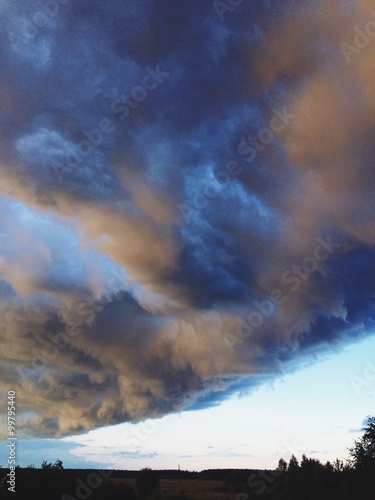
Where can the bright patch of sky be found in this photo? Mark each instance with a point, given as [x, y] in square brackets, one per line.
[317, 411]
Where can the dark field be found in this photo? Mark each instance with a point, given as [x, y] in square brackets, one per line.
[192, 488]
[307, 479]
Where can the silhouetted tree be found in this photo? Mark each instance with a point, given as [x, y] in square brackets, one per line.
[292, 483]
[362, 454]
[147, 482]
[338, 465]
[362, 459]
[282, 465]
[58, 464]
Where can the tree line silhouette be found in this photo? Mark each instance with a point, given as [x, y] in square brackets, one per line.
[308, 479]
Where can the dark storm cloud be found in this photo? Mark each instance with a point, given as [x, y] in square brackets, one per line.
[169, 176]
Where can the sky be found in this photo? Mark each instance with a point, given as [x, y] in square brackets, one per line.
[186, 230]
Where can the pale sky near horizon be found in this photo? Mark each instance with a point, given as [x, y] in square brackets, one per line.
[318, 411]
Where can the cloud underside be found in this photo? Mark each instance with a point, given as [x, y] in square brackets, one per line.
[186, 202]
